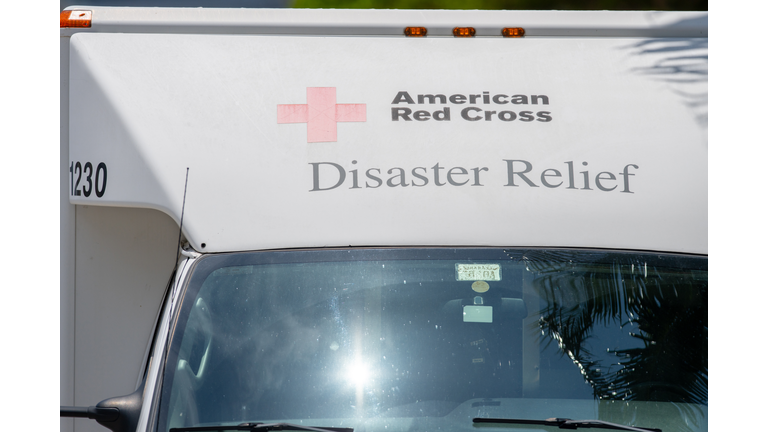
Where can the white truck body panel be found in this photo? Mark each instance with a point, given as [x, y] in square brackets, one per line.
[615, 133]
[149, 93]
[123, 259]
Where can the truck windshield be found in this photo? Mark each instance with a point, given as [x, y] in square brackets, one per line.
[387, 340]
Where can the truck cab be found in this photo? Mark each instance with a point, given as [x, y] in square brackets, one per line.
[383, 221]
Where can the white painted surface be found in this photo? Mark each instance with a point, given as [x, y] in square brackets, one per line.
[124, 258]
[149, 106]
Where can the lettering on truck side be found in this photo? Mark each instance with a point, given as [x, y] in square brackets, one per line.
[471, 113]
[330, 175]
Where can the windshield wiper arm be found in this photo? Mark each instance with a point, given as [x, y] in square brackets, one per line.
[563, 423]
[261, 427]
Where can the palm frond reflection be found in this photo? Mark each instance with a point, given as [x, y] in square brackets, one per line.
[662, 310]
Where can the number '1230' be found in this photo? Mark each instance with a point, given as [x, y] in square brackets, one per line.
[85, 180]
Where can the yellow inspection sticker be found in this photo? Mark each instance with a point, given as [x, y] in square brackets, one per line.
[480, 286]
[478, 272]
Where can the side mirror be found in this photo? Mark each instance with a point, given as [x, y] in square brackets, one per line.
[119, 414]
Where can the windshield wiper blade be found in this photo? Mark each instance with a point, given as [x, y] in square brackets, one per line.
[261, 427]
[564, 423]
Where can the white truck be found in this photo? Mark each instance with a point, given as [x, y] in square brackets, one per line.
[383, 220]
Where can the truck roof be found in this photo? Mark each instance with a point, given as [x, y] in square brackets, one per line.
[356, 22]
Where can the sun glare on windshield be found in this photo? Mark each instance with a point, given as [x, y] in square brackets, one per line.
[357, 373]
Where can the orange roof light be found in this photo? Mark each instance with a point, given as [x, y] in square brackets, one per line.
[513, 32]
[464, 31]
[75, 18]
[415, 31]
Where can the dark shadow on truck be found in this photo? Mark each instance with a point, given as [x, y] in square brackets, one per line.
[682, 63]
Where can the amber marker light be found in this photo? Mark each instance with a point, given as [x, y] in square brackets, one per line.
[75, 18]
[464, 31]
[415, 31]
[513, 32]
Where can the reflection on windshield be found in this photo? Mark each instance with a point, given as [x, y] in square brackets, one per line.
[397, 338]
[663, 312]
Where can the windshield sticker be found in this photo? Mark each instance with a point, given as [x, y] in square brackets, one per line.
[235, 270]
[478, 314]
[478, 272]
[480, 286]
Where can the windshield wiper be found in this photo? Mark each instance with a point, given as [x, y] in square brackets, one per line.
[260, 427]
[563, 423]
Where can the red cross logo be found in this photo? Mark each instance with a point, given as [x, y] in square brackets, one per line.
[321, 113]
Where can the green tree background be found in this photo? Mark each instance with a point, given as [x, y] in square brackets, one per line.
[692, 5]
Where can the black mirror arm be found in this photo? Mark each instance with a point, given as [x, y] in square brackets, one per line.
[119, 414]
[99, 414]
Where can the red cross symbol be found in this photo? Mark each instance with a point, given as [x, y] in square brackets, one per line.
[321, 113]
